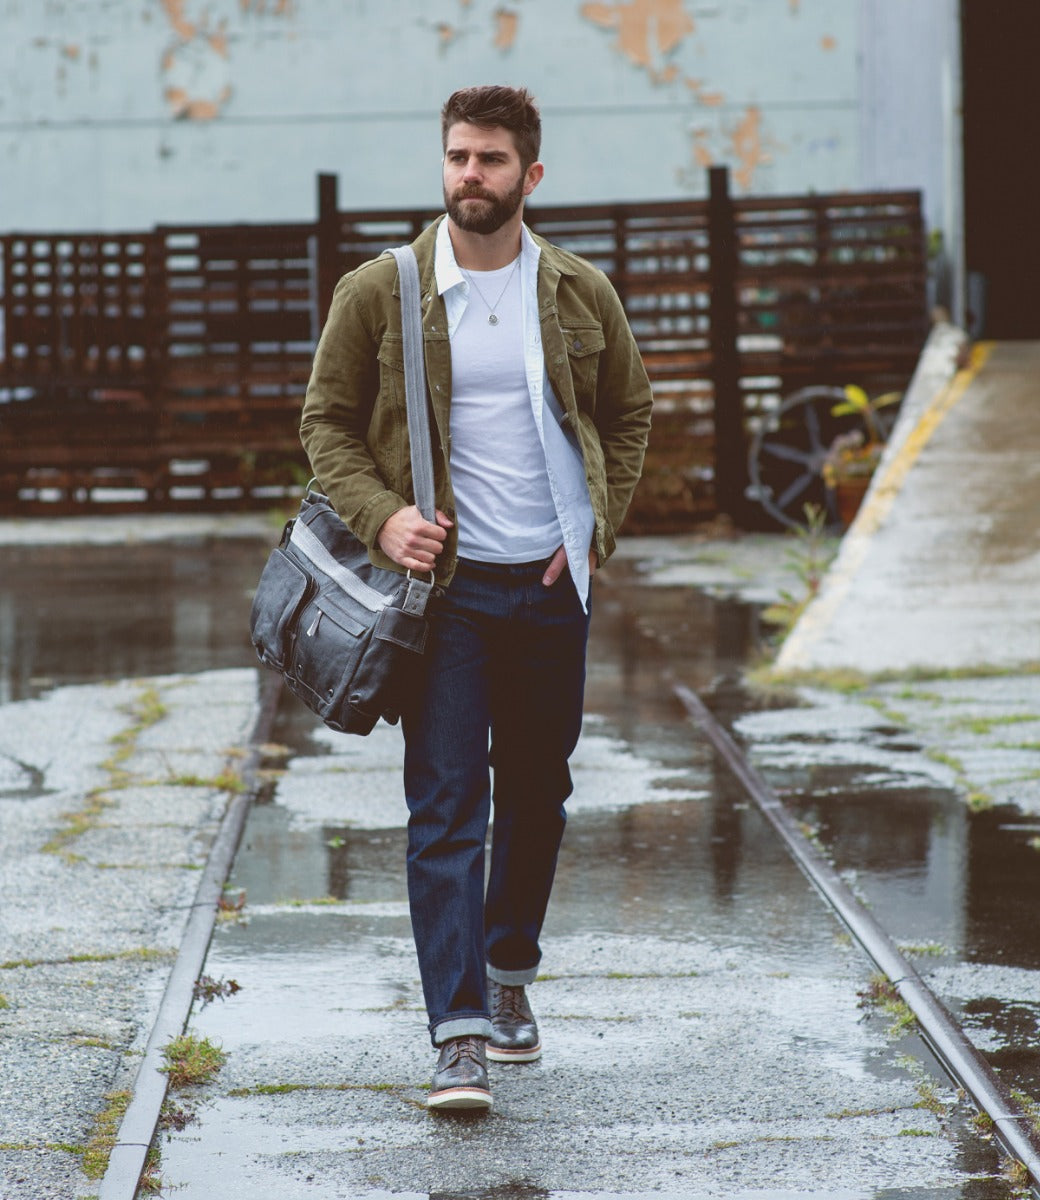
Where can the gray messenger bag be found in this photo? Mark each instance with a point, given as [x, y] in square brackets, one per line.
[346, 635]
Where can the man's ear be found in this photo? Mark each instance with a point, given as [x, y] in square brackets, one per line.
[533, 177]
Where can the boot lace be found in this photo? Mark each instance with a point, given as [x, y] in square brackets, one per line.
[466, 1047]
[509, 1003]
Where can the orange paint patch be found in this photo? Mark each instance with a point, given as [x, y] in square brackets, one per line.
[702, 156]
[447, 33]
[644, 26]
[712, 99]
[218, 41]
[506, 25]
[185, 107]
[828, 43]
[182, 27]
[668, 75]
[748, 148]
[71, 52]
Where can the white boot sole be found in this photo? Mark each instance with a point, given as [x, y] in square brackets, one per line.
[459, 1098]
[495, 1054]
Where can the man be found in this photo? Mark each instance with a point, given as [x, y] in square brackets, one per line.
[540, 413]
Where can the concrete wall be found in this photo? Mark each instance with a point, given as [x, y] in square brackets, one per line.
[124, 113]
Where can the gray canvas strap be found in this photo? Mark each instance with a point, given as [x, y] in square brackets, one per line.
[415, 381]
[308, 543]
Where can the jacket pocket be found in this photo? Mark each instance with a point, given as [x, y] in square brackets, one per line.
[391, 369]
[585, 343]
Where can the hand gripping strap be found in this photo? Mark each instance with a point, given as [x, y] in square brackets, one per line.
[415, 382]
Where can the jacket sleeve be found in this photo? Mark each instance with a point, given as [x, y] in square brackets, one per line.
[337, 414]
[623, 406]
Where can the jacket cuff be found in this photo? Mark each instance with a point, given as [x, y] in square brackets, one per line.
[369, 519]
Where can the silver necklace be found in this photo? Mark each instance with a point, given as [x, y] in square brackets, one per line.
[492, 316]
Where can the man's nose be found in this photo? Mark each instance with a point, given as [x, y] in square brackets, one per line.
[472, 170]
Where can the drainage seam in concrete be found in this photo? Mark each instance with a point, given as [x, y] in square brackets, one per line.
[959, 1058]
[127, 1161]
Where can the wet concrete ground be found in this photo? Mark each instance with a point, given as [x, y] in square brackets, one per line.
[705, 1033]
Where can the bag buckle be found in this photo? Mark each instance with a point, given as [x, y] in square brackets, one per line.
[417, 593]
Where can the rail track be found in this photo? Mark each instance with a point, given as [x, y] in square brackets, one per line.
[1012, 1126]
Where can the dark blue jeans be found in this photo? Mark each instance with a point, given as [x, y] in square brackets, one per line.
[505, 666]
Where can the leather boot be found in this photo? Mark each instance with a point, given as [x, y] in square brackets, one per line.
[460, 1080]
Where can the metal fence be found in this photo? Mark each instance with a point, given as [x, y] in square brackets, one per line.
[165, 370]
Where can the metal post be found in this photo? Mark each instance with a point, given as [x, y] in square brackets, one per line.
[731, 470]
[327, 264]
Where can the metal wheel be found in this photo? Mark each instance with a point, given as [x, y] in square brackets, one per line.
[786, 455]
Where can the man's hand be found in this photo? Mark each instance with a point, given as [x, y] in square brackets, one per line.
[558, 564]
[411, 541]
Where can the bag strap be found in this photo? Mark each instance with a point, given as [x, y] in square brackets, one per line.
[415, 381]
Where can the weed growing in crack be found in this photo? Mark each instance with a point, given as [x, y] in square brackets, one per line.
[102, 1139]
[808, 559]
[191, 1061]
[207, 989]
[881, 994]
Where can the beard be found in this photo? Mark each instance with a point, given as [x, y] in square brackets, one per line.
[490, 214]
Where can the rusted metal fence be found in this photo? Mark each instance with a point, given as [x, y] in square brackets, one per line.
[165, 370]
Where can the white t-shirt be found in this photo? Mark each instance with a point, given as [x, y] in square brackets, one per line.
[504, 504]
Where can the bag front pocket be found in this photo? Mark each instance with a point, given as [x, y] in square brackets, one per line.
[280, 594]
[329, 644]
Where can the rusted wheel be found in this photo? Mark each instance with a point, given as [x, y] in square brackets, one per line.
[787, 452]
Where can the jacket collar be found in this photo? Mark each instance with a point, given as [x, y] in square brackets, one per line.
[425, 247]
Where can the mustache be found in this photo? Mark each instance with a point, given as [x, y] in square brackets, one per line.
[473, 194]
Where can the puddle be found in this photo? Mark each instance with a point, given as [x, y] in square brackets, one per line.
[81, 614]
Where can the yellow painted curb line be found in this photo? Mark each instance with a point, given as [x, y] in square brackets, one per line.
[877, 506]
[883, 493]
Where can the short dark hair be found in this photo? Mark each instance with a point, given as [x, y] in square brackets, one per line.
[512, 108]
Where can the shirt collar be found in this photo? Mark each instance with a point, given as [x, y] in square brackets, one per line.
[447, 271]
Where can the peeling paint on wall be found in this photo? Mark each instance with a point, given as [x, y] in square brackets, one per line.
[506, 26]
[195, 65]
[181, 26]
[141, 92]
[750, 150]
[647, 29]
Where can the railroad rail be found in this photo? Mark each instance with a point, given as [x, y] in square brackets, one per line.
[1012, 1126]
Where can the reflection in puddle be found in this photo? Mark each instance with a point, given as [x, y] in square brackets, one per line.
[80, 614]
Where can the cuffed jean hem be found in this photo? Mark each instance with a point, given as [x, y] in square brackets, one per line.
[455, 1027]
[512, 978]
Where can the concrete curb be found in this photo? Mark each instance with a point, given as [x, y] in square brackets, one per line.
[935, 388]
[137, 1129]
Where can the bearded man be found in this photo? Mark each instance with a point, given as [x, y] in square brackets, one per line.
[540, 411]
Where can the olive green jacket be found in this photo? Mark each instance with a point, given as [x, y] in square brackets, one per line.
[354, 425]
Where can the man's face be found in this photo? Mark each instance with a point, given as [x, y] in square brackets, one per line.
[484, 183]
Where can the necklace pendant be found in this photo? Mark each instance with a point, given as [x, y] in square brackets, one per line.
[492, 319]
